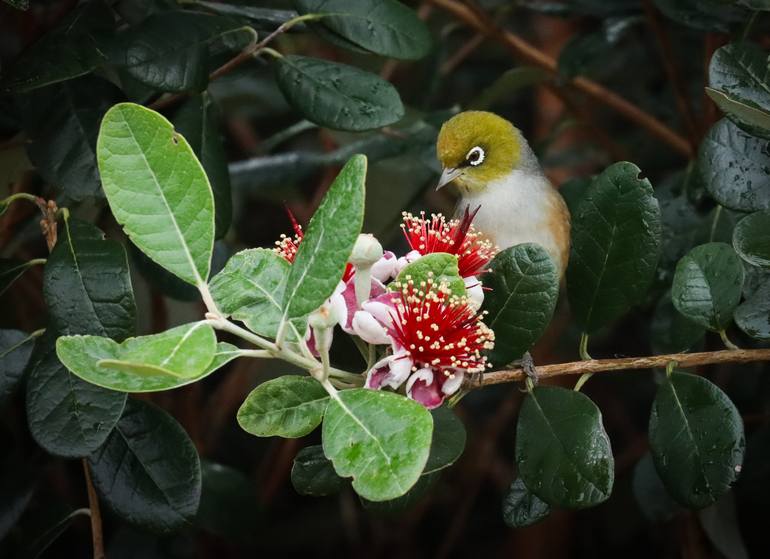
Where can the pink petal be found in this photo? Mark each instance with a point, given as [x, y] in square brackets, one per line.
[369, 328]
[385, 268]
[423, 387]
[390, 371]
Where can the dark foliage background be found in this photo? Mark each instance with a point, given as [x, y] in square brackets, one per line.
[653, 54]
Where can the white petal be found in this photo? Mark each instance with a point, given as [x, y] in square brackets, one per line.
[408, 259]
[385, 268]
[452, 384]
[369, 329]
[426, 375]
[474, 291]
[382, 312]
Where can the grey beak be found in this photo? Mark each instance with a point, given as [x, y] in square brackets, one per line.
[448, 175]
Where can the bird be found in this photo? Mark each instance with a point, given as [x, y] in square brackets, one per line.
[495, 169]
[498, 174]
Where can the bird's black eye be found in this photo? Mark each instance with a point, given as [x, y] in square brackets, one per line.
[475, 156]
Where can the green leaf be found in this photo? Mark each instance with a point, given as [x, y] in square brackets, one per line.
[523, 289]
[448, 440]
[751, 239]
[523, 508]
[707, 285]
[650, 494]
[759, 5]
[671, 331]
[338, 96]
[440, 266]
[15, 349]
[18, 4]
[507, 85]
[616, 237]
[735, 167]
[10, 271]
[87, 285]
[264, 19]
[169, 50]
[384, 27]
[62, 122]
[753, 315]
[313, 473]
[740, 86]
[227, 489]
[402, 504]
[73, 48]
[198, 121]
[67, 416]
[162, 361]
[584, 53]
[720, 523]
[706, 15]
[288, 406]
[148, 471]
[696, 439]
[380, 439]
[328, 242]
[562, 451]
[157, 190]
[47, 538]
[251, 288]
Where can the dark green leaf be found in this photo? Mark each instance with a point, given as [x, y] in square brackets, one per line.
[706, 15]
[328, 242]
[384, 27]
[507, 85]
[148, 471]
[74, 48]
[671, 331]
[523, 288]
[402, 504]
[263, 18]
[696, 439]
[650, 494]
[707, 285]
[288, 406]
[157, 190]
[62, 122]
[313, 473]
[523, 508]
[10, 271]
[562, 451]
[52, 534]
[226, 489]
[87, 285]
[15, 349]
[448, 440]
[763, 5]
[735, 167]
[251, 288]
[338, 96]
[380, 439]
[441, 267]
[753, 315]
[740, 86]
[198, 121]
[583, 53]
[616, 237]
[169, 50]
[751, 239]
[18, 4]
[720, 522]
[67, 416]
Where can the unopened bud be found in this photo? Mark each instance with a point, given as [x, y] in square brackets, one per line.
[326, 316]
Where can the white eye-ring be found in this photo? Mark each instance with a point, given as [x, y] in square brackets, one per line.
[475, 156]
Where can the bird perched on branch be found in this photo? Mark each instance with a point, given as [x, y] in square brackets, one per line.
[496, 171]
[492, 164]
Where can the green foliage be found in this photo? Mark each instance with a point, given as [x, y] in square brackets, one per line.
[616, 232]
[523, 508]
[751, 239]
[15, 350]
[10, 271]
[448, 440]
[751, 316]
[313, 474]
[441, 267]
[524, 286]
[696, 439]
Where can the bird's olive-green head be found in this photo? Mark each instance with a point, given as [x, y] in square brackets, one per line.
[477, 147]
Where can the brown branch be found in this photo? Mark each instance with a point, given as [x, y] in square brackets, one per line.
[528, 53]
[684, 360]
[96, 515]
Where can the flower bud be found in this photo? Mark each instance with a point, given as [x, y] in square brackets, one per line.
[366, 251]
[326, 316]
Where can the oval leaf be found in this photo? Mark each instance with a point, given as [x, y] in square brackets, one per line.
[328, 242]
[157, 190]
[380, 439]
[523, 508]
[441, 267]
[671, 331]
[313, 473]
[753, 315]
[650, 493]
[735, 167]
[751, 239]
[696, 439]
[523, 289]
[707, 285]
[562, 451]
[384, 27]
[616, 238]
[288, 406]
[448, 440]
[15, 350]
[148, 471]
[336, 95]
[11, 270]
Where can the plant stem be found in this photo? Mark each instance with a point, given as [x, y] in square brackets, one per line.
[583, 349]
[96, 515]
[728, 344]
[19, 196]
[685, 360]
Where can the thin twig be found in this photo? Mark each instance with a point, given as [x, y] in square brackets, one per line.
[96, 515]
[684, 360]
[531, 55]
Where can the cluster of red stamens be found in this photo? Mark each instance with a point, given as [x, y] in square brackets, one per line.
[459, 237]
[287, 247]
[439, 329]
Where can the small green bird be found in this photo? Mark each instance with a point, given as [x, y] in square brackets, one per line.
[494, 167]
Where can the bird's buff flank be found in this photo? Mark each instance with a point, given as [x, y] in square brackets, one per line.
[492, 164]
